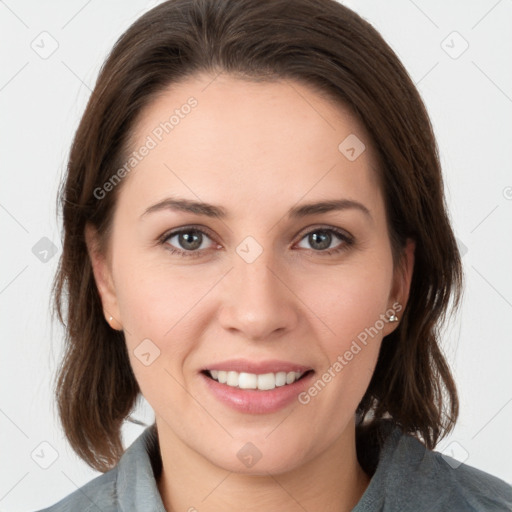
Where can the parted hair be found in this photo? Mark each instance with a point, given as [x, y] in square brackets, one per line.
[319, 43]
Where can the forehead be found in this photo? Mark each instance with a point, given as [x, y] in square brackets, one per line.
[226, 138]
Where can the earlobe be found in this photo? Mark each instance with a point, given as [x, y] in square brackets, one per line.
[103, 278]
[401, 286]
[113, 322]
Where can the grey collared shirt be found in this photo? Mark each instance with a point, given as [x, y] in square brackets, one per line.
[408, 477]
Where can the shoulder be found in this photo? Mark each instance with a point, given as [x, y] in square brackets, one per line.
[411, 477]
[97, 495]
[130, 485]
[464, 487]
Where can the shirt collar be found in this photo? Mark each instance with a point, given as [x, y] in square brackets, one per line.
[138, 470]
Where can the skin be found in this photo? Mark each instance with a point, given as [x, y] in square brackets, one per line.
[256, 149]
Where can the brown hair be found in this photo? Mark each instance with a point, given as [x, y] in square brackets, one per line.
[319, 43]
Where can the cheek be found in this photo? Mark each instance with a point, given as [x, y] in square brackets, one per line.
[156, 298]
[350, 300]
[165, 305]
[351, 304]
[351, 308]
[162, 320]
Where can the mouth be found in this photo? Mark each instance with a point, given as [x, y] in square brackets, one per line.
[256, 387]
[256, 381]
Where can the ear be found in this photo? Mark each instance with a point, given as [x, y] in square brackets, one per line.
[402, 278]
[102, 270]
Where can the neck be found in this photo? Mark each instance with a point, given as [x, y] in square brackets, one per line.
[333, 480]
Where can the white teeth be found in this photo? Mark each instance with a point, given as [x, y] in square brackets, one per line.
[245, 380]
[263, 382]
[280, 378]
[267, 381]
[232, 379]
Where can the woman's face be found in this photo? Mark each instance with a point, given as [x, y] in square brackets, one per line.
[259, 284]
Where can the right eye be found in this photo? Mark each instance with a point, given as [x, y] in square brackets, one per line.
[187, 241]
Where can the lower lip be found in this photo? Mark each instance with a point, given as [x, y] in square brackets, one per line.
[255, 401]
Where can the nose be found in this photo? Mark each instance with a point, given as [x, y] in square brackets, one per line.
[257, 302]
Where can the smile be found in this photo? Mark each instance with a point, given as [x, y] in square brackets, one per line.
[262, 382]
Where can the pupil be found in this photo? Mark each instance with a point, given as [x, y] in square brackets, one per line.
[322, 238]
[190, 240]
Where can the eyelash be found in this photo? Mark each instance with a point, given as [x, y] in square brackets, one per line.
[347, 240]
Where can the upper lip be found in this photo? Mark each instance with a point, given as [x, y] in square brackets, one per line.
[258, 367]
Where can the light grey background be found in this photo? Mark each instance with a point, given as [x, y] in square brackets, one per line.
[469, 98]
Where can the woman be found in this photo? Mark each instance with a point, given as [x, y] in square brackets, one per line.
[256, 240]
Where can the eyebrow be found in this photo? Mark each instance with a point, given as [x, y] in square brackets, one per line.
[210, 210]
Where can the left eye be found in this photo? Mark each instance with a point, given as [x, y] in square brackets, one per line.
[321, 239]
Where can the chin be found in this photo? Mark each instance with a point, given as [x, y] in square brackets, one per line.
[255, 455]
